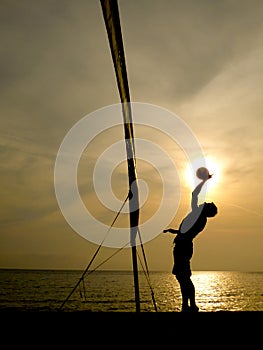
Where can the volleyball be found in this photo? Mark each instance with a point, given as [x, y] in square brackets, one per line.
[202, 173]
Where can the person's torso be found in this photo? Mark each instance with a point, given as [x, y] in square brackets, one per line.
[193, 224]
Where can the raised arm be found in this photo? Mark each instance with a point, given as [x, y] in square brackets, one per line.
[195, 193]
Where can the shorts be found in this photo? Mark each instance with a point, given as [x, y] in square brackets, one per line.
[182, 270]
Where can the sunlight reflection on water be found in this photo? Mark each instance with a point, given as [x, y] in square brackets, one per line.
[232, 291]
[114, 291]
[215, 291]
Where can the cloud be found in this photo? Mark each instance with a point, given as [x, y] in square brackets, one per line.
[202, 60]
[26, 180]
[177, 48]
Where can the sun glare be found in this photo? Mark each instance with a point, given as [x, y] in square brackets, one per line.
[192, 180]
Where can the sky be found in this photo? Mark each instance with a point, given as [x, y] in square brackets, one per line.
[199, 60]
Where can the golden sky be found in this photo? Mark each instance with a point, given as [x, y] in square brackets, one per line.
[200, 60]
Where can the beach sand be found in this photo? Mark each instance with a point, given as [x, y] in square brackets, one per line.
[222, 328]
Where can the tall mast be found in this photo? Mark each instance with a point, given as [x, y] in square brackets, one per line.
[113, 27]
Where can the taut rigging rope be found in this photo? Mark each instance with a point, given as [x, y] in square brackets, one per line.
[96, 252]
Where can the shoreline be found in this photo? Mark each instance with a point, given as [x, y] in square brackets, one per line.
[119, 317]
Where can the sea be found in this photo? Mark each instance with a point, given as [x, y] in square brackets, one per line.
[113, 291]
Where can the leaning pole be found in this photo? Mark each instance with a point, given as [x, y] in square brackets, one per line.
[112, 22]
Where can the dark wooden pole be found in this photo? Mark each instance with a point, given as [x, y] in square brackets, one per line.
[112, 22]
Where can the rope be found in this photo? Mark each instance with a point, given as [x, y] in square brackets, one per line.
[103, 262]
[147, 274]
[87, 272]
[95, 254]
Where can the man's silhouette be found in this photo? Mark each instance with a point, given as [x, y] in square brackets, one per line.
[189, 228]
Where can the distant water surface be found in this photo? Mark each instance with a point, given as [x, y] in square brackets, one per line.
[114, 291]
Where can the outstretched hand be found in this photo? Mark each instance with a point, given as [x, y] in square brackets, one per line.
[171, 230]
[207, 178]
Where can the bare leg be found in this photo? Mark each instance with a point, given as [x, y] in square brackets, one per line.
[184, 294]
[188, 294]
[184, 281]
[191, 293]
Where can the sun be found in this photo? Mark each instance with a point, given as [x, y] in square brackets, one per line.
[190, 178]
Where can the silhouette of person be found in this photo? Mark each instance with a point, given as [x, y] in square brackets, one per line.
[189, 228]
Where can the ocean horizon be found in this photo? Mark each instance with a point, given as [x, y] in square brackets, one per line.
[113, 290]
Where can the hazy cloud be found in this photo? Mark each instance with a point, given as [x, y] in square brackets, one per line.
[199, 59]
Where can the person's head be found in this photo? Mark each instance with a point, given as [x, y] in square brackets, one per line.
[209, 209]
